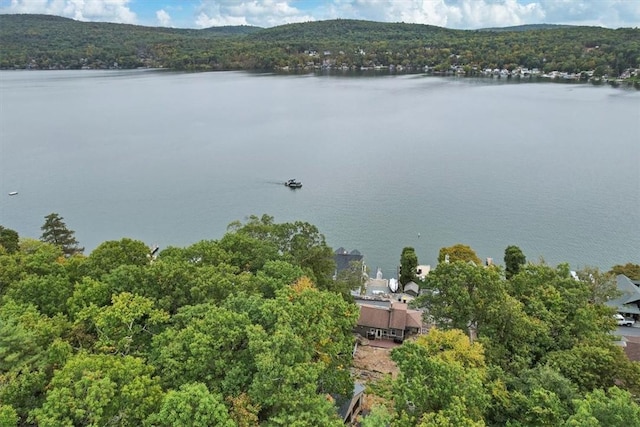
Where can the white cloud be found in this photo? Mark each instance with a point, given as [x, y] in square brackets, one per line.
[607, 13]
[443, 13]
[164, 19]
[82, 10]
[479, 14]
[269, 13]
[261, 13]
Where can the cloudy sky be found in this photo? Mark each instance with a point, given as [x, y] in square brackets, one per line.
[462, 14]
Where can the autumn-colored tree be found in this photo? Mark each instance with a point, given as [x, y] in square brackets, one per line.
[632, 271]
[431, 371]
[458, 252]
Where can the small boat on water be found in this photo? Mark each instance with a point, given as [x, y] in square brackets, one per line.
[13, 193]
[292, 183]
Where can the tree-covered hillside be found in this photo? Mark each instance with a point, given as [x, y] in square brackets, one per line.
[253, 330]
[46, 42]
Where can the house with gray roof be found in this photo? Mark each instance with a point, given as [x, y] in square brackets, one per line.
[412, 289]
[628, 303]
[343, 259]
[350, 408]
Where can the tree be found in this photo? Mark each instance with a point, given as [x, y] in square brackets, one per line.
[302, 353]
[603, 286]
[126, 326]
[408, 266]
[458, 252]
[112, 254]
[276, 275]
[9, 239]
[613, 408]
[192, 405]
[40, 258]
[539, 396]
[31, 347]
[563, 308]
[207, 344]
[10, 270]
[632, 271]
[48, 292]
[377, 417]
[462, 295]
[205, 252]
[100, 390]
[298, 243]
[8, 416]
[55, 231]
[591, 367]
[513, 260]
[431, 372]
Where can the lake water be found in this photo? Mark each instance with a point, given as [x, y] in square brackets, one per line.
[386, 162]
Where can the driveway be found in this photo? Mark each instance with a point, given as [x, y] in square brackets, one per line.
[628, 331]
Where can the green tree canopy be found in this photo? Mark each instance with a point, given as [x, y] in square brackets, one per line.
[408, 266]
[126, 326]
[611, 408]
[31, 347]
[97, 389]
[55, 231]
[112, 254]
[9, 239]
[192, 405]
[299, 243]
[462, 295]
[431, 372]
[513, 260]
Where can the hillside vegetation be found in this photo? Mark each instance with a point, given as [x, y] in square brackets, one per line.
[49, 42]
[253, 330]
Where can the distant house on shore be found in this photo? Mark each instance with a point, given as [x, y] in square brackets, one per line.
[345, 259]
[628, 303]
[422, 271]
[412, 289]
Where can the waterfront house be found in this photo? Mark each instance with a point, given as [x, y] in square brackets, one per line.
[387, 320]
[344, 259]
[412, 289]
[628, 303]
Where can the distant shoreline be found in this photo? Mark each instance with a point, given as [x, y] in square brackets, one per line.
[554, 77]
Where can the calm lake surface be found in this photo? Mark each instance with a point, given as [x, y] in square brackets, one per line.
[386, 162]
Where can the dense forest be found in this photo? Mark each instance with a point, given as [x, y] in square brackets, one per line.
[255, 329]
[49, 42]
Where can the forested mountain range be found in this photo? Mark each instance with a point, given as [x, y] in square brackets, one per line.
[50, 42]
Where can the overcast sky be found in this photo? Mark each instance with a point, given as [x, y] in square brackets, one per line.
[462, 14]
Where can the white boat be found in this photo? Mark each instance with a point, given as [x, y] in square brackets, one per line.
[393, 285]
[13, 193]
